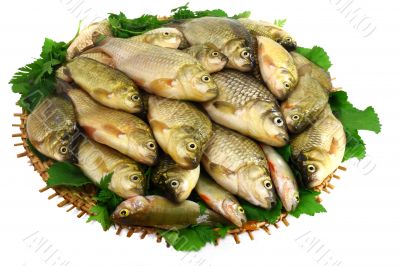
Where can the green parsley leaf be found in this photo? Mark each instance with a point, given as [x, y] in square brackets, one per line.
[244, 14]
[101, 215]
[308, 204]
[66, 174]
[107, 202]
[122, 27]
[285, 152]
[254, 213]
[280, 22]
[353, 120]
[36, 81]
[190, 239]
[317, 55]
[355, 146]
[203, 207]
[351, 117]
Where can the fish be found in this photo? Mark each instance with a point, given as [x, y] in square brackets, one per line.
[181, 130]
[228, 35]
[304, 104]
[162, 71]
[85, 38]
[209, 56]
[306, 67]
[176, 183]
[99, 57]
[220, 200]
[238, 164]
[283, 178]
[51, 128]
[163, 37]
[277, 67]
[159, 212]
[319, 150]
[119, 130]
[245, 105]
[97, 160]
[104, 84]
[267, 29]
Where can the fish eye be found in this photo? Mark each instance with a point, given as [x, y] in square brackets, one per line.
[124, 212]
[215, 54]
[240, 209]
[295, 117]
[245, 54]
[134, 178]
[63, 150]
[151, 145]
[206, 78]
[135, 97]
[174, 183]
[191, 146]
[267, 184]
[166, 33]
[287, 85]
[288, 39]
[311, 168]
[278, 121]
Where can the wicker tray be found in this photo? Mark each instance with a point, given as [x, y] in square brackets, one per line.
[81, 198]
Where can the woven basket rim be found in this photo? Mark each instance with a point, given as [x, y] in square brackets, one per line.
[82, 200]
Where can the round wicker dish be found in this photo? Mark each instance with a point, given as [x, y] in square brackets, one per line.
[81, 198]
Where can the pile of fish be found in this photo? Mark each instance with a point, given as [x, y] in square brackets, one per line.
[203, 102]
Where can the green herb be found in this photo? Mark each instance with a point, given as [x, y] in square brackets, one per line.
[353, 120]
[193, 238]
[280, 22]
[66, 174]
[107, 202]
[285, 152]
[122, 27]
[36, 80]
[245, 14]
[203, 207]
[308, 204]
[317, 55]
[254, 213]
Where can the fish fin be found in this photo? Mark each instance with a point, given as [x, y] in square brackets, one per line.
[103, 93]
[224, 107]
[161, 84]
[271, 167]
[304, 70]
[103, 58]
[334, 146]
[204, 197]
[158, 126]
[266, 59]
[113, 130]
[90, 131]
[63, 73]
[219, 170]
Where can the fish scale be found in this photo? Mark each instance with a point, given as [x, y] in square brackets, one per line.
[151, 59]
[179, 113]
[206, 31]
[238, 88]
[233, 150]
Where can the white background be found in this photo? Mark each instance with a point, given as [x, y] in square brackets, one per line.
[361, 226]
